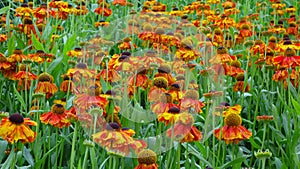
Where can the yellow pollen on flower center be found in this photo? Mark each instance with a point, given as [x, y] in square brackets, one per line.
[147, 157]
[160, 82]
[246, 27]
[233, 119]
[289, 52]
[192, 94]
[236, 63]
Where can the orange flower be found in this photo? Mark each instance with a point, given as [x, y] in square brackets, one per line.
[139, 80]
[151, 57]
[40, 12]
[67, 84]
[75, 53]
[288, 60]
[258, 47]
[15, 128]
[23, 11]
[91, 98]
[164, 104]
[170, 116]
[101, 23]
[4, 64]
[103, 11]
[116, 141]
[240, 84]
[233, 131]
[109, 75]
[46, 85]
[292, 29]
[280, 75]
[120, 2]
[184, 130]
[245, 32]
[222, 56]
[213, 93]
[160, 85]
[191, 102]
[187, 54]
[22, 74]
[40, 56]
[17, 56]
[3, 38]
[24, 77]
[175, 91]
[147, 160]
[165, 71]
[265, 118]
[81, 71]
[57, 117]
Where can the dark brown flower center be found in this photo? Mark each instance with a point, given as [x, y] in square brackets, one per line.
[58, 109]
[94, 91]
[174, 110]
[112, 126]
[164, 69]
[175, 87]
[221, 50]
[240, 77]
[81, 66]
[44, 77]
[18, 51]
[16, 118]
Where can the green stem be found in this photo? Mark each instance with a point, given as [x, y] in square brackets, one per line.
[85, 157]
[178, 154]
[73, 146]
[56, 149]
[263, 163]
[264, 136]
[93, 158]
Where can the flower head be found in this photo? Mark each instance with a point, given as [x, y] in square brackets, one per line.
[232, 131]
[147, 160]
[15, 128]
[57, 117]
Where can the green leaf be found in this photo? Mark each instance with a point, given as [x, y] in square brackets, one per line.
[54, 64]
[253, 143]
[28, 156]
[296, 106]
[69, 44]
[233, 162]
[3, 145]
[11, 45]
[36, 43]
[20, 98]
[277, 163]
[104, 162]
[9, 160]
[4, 10]
[38, 163]
[197, 155]
[103, 85]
